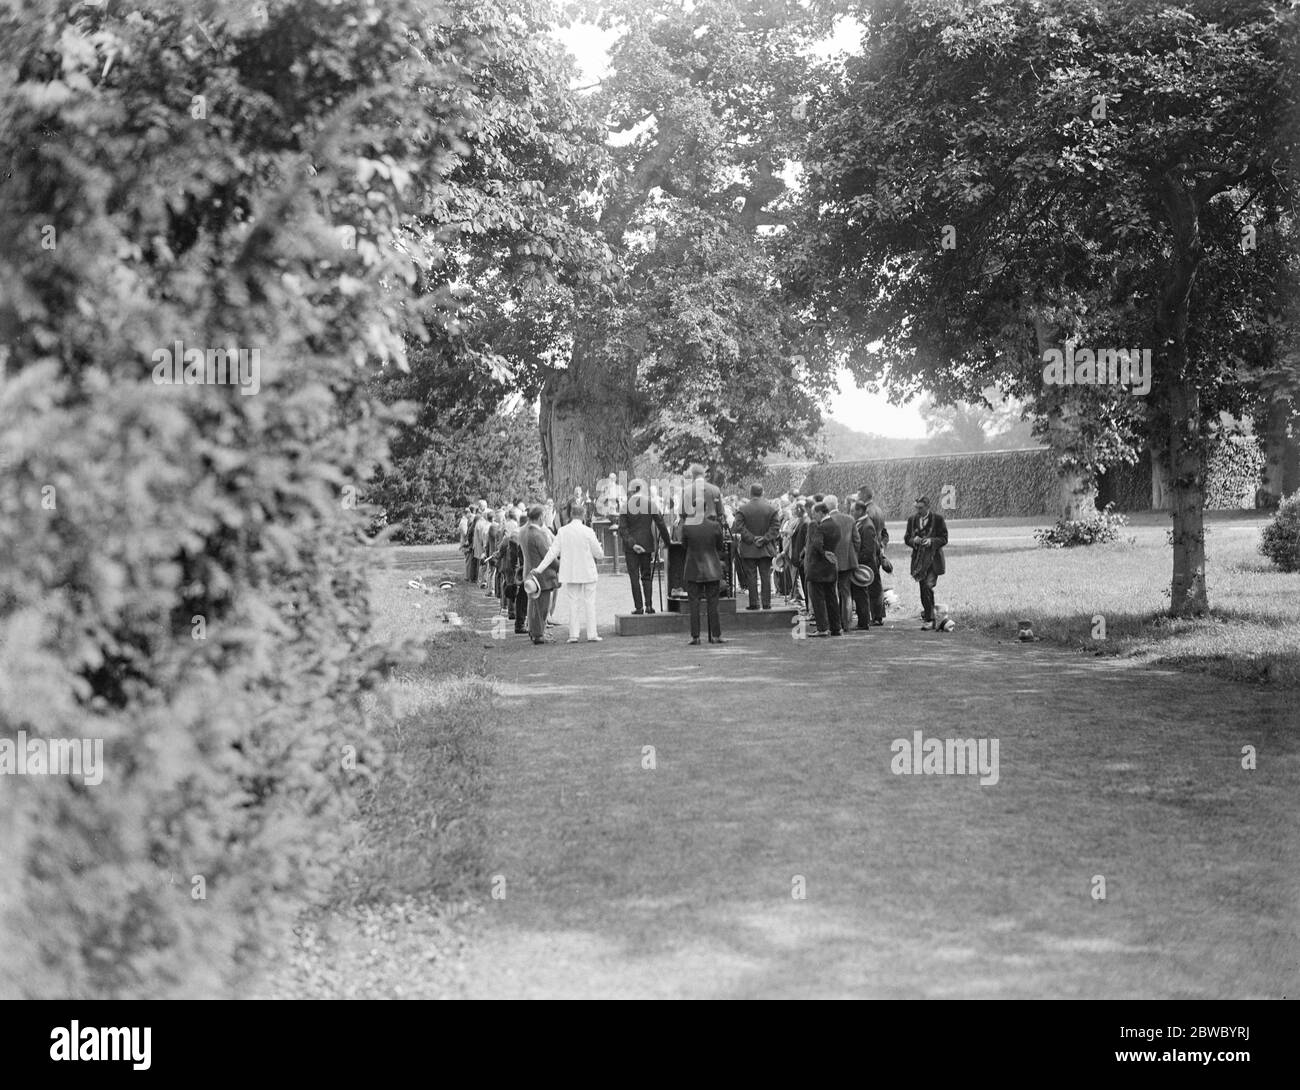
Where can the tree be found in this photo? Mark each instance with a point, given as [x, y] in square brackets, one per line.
[184, 578]
[702, 108]
[992, 183]
[967, 429]
[509, 241]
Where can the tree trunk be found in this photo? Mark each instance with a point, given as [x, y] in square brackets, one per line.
[1159, 479]
[1186, 460]
[1076, 495]
[1275, 443]
[586, 420]
[1179, 401]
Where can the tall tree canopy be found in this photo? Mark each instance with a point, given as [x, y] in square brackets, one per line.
[697, 355]
[992, 180]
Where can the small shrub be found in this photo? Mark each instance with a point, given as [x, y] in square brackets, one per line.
[1280, 539]
[1101, 529]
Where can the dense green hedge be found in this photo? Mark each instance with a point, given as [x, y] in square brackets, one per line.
[182, 585]
[994, 485]
[1232, 476]
[1006, 484]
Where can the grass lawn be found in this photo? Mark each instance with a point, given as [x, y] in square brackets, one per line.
[521, 770]
[394, 925]
[998, 575]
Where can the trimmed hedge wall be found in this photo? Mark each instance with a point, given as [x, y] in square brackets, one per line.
[1008, 484]
[997, 484]
[1231, 478]
[777, 478]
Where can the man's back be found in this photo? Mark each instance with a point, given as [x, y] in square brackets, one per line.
[759, 518]
[535, 541]
[702, 540]
[579, 551]
[845, 547]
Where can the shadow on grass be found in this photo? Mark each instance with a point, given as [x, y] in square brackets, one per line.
[773, 764]
[1237, 645]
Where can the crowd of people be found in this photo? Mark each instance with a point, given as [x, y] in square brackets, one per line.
[823, 556]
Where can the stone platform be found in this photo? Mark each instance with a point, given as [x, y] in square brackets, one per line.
[733, 615]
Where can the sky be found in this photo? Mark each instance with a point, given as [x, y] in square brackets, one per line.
[852, 407]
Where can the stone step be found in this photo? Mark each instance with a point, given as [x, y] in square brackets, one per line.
[734, 618]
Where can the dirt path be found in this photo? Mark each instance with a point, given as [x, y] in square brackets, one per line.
[773, 763]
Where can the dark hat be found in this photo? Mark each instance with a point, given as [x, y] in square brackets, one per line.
[923, 499]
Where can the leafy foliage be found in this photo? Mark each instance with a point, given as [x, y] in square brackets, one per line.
[1280, 539]
[989, 180]
[183, 577]
[498, 460]
[1099, 529]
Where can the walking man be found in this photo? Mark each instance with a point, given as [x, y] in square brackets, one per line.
[927, 534]
[578, 549]
[641, 529]
[758, 529]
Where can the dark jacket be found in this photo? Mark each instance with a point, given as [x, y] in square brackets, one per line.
[700, 500]
[868, 542]
[798, 542]
[822, 537]
[757, 525]
[846, 551]
[924, 559]
[877, 517]
[534, 542]
[703, 542]
[641, 529]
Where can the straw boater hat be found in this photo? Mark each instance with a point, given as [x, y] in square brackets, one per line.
[863, 576]
[531, 587]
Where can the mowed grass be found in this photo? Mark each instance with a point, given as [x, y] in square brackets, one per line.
[393, 927]
[998, 576]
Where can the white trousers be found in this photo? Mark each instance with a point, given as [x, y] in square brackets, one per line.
[582, 601]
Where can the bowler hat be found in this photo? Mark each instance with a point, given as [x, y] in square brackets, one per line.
[863, 576]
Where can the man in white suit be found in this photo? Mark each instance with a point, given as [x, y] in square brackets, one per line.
[578, 549]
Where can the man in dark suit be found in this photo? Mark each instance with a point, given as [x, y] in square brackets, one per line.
[701, 499]
[703, 542]
[865, 598]
[638, 528]
[927, 534]
[798, 542]
[875, 593]
[821, 564]
[846, 558]
[874, 512]
[534, 543]
[757, 527]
